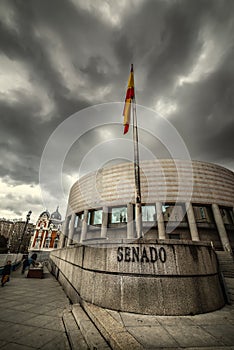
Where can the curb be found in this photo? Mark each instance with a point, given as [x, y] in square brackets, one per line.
[74, 335]
[88, 329]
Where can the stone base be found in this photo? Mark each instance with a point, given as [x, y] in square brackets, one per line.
[163, 278]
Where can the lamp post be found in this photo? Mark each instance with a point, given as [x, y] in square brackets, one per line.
[25, 226]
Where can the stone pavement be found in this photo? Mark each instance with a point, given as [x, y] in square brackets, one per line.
[213, 330]
[31, 312]
[36, 314]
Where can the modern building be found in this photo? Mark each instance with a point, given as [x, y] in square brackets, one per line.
[180, 200]
[170, 268]
[46, 235]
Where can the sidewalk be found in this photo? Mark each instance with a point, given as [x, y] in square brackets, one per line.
[36, 314]
[31, 314]
[213, 331]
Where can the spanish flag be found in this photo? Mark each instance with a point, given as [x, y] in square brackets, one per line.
[128, 100]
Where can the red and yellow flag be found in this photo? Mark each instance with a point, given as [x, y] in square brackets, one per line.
[128, 100]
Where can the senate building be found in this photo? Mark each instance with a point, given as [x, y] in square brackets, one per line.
[171, 267]
[180, 200]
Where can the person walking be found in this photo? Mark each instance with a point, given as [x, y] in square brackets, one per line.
[33, 258]
[6, 273]
[29, 261]
[25, 264]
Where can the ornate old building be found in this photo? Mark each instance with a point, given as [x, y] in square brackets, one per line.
[46, 235]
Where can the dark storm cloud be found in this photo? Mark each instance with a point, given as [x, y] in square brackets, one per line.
[207, 114]
[71, 55]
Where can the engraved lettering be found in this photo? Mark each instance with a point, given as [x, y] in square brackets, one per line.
[147, 255]
[162, 255]
[153, 254]
[144, 256]
[135, 254]
[120, 254]
[127, 254]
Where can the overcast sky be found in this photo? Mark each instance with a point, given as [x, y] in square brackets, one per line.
[59, 57]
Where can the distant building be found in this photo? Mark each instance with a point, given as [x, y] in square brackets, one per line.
[6, 227]
[20, 237]
[47, 232]
[17, 235]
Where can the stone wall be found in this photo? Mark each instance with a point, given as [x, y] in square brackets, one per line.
[165, 278]
[164, 180]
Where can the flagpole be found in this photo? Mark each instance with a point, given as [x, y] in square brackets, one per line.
[138, 211]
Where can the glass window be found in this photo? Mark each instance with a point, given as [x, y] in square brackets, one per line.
[118, 215]
[97, 217]
[37, 243]
[148, 213]
[78, 220]
[231, 215]
[56, 242]
[227, 215]
[164, 208]
[174, 212]
[202, 212]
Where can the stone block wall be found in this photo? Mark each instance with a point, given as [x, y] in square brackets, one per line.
[165, 278]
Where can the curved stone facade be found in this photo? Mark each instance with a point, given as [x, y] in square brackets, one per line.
[168, 269]
[181, 200]
[159, 182]
[165, 278]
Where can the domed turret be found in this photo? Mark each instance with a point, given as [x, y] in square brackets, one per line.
[45, 213]
[56, 215]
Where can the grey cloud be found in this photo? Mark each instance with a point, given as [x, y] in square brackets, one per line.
[162, 38]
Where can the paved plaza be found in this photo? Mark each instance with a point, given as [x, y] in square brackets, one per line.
[32, 317]
[31, 314]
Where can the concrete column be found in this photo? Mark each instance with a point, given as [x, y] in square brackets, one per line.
[104, 222]
[160, 220]
[65, 228]
[192, 222]
[71, 229]
[221, 228]
[84, 225]
[63, 233]
[130, 223]
[62, 242]
[138, 219]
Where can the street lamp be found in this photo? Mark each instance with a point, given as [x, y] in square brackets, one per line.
[25, 226]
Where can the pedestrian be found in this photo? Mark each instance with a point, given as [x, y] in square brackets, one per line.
[25, 264]
[34, 258]
[29, 261]
[6, 273]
